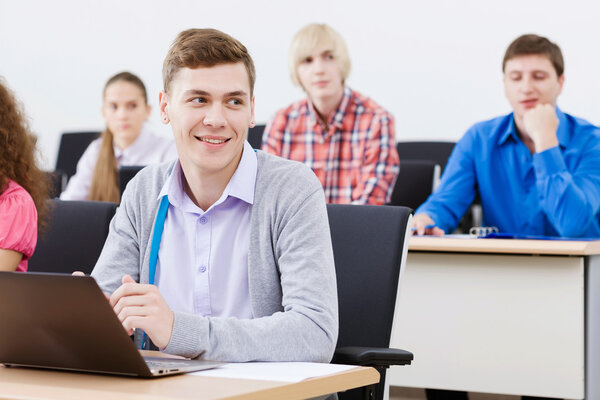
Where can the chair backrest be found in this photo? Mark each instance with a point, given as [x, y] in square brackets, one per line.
[369, 247]
[57, 182]
[434, 151]
[72, 145]
[74, 238]
[416, 181]
[126, 172]
[255, 135]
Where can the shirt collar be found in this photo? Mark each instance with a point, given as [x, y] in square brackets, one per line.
[241, 185]
[562, 133]
[338, 116]
[135, 147]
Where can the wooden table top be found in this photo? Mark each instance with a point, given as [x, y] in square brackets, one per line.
[508, 246]
[26, 383]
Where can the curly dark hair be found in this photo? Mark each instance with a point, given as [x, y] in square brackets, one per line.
[17, 153]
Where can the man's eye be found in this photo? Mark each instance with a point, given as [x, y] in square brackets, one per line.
[199, 100]
[235, 102]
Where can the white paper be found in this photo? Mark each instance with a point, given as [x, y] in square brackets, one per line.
[275, 371]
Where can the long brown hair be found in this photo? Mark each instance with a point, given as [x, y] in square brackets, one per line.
[17, 154]
[105, 185]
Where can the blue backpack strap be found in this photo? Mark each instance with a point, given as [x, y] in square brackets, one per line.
[159, 225]
[157, 236]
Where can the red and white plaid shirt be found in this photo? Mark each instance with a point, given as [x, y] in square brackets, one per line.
[355, 160]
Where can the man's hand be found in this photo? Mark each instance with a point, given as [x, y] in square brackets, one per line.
[142, 306]
[424, 225]
[541, 124]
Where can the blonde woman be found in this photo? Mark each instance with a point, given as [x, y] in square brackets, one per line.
[124, 142]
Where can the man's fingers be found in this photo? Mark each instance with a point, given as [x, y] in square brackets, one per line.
[130, 289]
[131, 301]
[134, 322]
[435, 231]
[132, 311]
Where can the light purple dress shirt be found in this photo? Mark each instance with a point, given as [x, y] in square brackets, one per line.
[202, 265]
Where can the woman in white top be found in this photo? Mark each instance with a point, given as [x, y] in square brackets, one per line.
[124, 142]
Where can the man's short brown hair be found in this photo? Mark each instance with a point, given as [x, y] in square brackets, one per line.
[534, 44]
[195, 48]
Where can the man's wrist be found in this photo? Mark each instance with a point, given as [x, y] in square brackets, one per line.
[544, 143]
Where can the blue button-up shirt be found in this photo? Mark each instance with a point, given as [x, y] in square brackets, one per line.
[553, 193]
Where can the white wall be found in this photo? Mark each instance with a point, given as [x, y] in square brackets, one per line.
[434, 64]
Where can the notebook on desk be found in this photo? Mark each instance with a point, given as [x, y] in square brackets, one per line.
[64, 322]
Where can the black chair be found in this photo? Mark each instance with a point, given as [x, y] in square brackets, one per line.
[126, 172]
[72, 145]
[434, 151]
[255, 135]
[439, 153]
[57, 182]
[415, 182]
[369, 251]
[74, 238]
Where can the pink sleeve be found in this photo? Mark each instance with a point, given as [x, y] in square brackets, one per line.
[18, 223]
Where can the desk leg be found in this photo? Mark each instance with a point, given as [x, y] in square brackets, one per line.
[592, 328]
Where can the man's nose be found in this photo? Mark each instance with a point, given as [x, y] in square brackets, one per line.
[526, 85]
[215, 116]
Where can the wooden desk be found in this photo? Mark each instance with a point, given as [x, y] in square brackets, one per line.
[25, 383]
[517, 317]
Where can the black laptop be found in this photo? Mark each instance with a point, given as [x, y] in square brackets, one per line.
[65, 322]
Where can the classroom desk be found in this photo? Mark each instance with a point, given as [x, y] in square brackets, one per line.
[518, 317]
[25, 383]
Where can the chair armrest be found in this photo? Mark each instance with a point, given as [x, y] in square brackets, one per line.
[371, 356]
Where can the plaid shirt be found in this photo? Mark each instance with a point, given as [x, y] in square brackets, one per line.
[355, 159]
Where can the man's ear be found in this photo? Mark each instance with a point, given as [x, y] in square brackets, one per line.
[163, 107]
[252, 118]
[561, 82]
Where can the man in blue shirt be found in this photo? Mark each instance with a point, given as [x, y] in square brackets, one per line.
[537, 169]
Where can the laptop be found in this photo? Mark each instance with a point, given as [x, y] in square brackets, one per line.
[65, 322]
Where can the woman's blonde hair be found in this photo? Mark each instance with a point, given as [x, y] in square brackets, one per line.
[311, 37]
[105, 180]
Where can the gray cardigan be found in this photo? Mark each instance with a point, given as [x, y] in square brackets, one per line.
[291, 271]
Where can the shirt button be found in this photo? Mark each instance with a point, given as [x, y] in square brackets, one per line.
[203, 269]
[203, 220]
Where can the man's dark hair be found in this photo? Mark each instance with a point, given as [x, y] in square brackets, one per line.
[534, 44]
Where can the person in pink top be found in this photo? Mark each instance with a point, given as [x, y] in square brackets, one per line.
[23, 186]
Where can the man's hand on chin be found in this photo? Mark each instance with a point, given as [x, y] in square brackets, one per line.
[541, 124]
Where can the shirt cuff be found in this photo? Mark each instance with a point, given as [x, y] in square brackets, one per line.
[186, 338]
[549, 162]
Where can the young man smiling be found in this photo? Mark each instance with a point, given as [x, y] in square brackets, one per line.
[231, 247]
[537, 169]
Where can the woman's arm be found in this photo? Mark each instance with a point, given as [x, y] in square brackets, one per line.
[9, 259]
